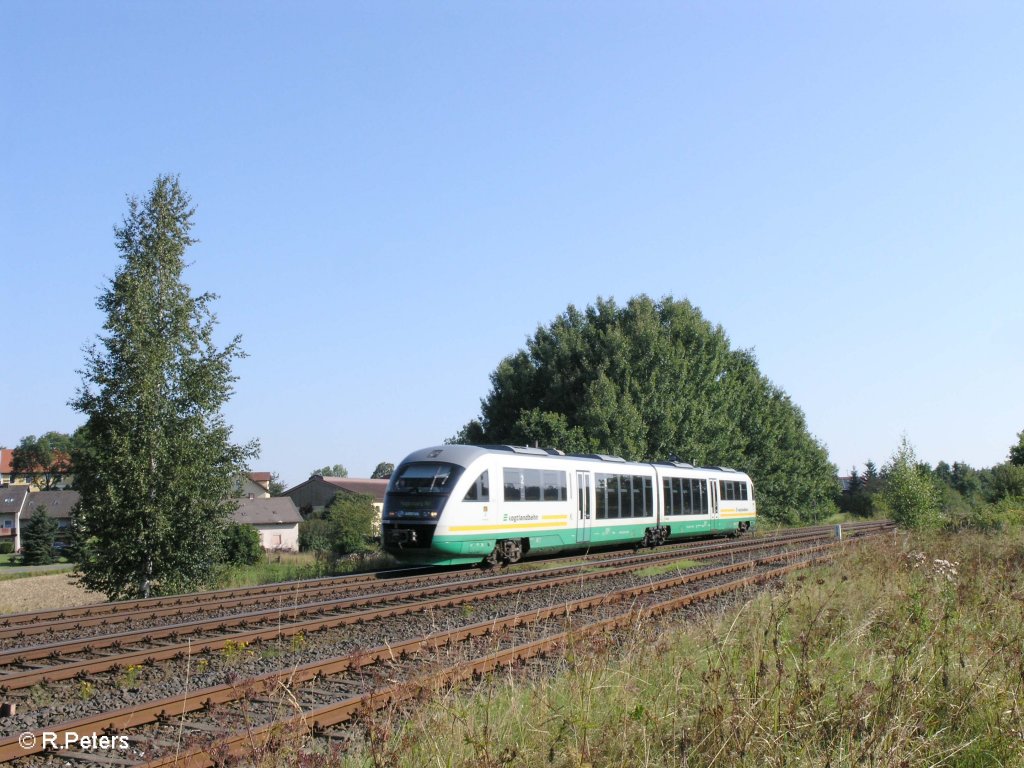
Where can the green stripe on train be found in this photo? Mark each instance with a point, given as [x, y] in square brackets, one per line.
[471, 548]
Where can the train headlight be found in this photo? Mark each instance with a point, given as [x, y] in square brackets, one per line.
[433, 514]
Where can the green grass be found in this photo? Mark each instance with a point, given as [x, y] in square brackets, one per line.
[47, 572]
[296, 566]
[13, 561]
[908, 651]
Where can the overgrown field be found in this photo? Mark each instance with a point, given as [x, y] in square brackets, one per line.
[908, 651]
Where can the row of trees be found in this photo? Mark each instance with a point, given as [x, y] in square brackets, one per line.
[949, 495]
[381, 472]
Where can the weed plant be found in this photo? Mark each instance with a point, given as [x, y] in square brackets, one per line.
[295, 567]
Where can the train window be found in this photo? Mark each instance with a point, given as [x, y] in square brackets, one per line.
[638, 496]
[613, 496]
[601, 497]
[694, 493]
[515, 485]
[532, 484]
[525, 484]
[480, 489]
[733, 490]
[671, 495]
[425, 478]
[555, 488]
[620, 496]
[686, 506]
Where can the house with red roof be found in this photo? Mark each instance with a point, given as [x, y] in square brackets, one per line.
[37, 477]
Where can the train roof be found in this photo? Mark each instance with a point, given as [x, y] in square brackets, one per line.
[465, 454]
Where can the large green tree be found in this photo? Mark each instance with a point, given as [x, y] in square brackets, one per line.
[47, 458]
[383, 471]
[156, 460]
[652, 380]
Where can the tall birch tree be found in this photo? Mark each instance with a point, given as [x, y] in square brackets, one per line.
[155, 463]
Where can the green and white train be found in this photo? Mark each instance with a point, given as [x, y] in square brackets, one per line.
[458, 504]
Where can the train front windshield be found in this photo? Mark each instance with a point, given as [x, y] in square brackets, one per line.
[419, 490]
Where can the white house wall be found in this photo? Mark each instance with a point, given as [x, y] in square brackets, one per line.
[279, 537]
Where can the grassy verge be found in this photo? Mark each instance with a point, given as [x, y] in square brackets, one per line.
[47, 572]
[8, 561]
[906, 652]
[288, 566]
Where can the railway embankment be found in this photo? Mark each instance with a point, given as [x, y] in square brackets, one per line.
[194, 677]
[907, 651]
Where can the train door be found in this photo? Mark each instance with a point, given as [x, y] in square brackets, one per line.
[713, 486]
[584, 507]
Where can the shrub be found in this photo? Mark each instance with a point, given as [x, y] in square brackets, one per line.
[38, 537]
[351, 519]
[240, 544]
[314, 536]
[910, 495]
[6, 547]
[1000, 517]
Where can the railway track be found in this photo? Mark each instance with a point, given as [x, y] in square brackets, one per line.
[581, 591]
[16, 629]
[24, 666]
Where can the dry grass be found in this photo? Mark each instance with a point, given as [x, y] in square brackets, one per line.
[906, 653]
[39, 593]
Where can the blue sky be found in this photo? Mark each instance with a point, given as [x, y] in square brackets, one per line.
[391, 197]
